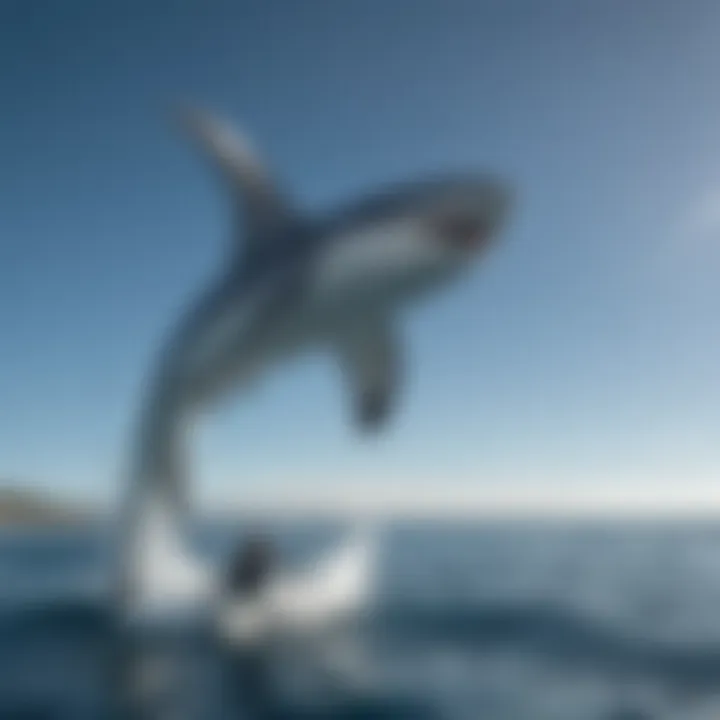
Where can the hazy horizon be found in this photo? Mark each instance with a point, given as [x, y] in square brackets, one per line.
[441, 501]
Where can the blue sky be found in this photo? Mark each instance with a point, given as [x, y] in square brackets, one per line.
[585, 349]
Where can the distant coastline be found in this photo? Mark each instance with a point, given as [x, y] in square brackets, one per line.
[28, 508]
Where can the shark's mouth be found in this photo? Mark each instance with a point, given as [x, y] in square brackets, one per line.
[462, 231]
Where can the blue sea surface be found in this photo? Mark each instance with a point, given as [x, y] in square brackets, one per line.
[502, 621]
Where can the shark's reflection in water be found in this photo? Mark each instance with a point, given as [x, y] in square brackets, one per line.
[248, 683]
[313, 681]
[190, 678]
[150, 675]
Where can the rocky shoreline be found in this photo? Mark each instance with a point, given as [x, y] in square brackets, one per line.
[21, 507]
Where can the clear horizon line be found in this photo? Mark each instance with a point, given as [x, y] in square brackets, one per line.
[478, 501]
[518, 499]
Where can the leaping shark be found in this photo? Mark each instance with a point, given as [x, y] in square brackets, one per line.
[294, 282]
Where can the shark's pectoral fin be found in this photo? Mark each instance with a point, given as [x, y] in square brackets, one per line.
[264, 207]
[370, 358]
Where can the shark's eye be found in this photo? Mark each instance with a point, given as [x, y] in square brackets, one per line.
[461, 230]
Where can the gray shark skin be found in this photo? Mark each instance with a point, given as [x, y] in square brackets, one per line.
[295, 283]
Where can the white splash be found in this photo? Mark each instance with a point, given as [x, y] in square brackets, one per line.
[336, 588]
[178, 585]
[172, 577]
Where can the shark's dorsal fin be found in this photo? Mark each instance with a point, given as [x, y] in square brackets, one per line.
[264, 208]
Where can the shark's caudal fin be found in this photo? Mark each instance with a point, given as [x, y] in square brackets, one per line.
[265, 208]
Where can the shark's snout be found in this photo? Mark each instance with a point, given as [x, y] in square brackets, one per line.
[473, 218]
[462, 231]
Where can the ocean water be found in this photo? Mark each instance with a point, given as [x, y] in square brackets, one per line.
[502, 621]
